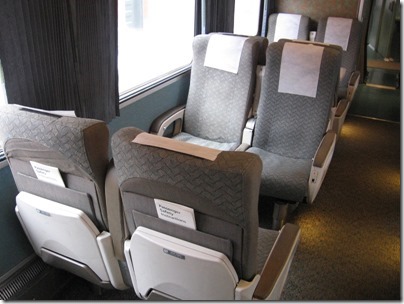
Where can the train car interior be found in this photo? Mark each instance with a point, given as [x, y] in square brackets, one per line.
[200, 150]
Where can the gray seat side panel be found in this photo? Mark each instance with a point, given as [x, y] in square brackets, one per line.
[266, 241]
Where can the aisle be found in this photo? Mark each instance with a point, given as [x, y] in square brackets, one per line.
[350, 247]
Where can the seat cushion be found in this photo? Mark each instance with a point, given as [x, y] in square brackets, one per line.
[283, 177]
[183, 136]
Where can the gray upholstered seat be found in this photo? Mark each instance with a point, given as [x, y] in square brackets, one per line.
[290, 133]
[59, 165]
[192, 216]
[287, 26]
[347, 33]
[220, 93]
[280, 26]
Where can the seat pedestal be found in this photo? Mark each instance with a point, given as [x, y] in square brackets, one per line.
[274, 213]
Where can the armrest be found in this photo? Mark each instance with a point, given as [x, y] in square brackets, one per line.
[276, 268]
[353, 85]
[339, 115]
[248, 131]
[326, 146]
[160, 124]
[321, 162]
[354, 79]
[243, 147]
[341, 108]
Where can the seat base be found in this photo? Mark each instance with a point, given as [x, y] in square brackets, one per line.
[274, 213]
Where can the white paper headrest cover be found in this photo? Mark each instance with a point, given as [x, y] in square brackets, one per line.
[224, 52]
[287, 26]
[300, 69]
[338, 31]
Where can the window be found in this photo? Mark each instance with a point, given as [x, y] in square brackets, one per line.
[154, 39]
[246, 17]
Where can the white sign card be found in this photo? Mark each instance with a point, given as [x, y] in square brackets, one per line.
[48, 174]
[175, 213]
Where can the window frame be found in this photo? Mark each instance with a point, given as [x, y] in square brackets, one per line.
[153, 83]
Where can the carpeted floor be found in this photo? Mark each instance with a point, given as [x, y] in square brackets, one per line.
[350, 247]
[377, 103]
[79, 289]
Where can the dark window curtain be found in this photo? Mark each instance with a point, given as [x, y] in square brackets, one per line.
[61, 54]
[219, 16]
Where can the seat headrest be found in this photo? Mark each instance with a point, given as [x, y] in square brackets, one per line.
[224, 52]
[338, 31]
[287, 26]
[300, 69]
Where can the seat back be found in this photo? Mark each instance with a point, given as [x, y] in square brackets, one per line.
[222, 86]
[296, 98]
[222, 193]
[347, 33]
[59, 165]
[78, 147]
[287, 26]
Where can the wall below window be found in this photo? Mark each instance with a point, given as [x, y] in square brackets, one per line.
[142, 112]
[15, 246]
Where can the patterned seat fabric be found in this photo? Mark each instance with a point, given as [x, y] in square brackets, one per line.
[218, 100]
[223, 194]
[346, 33]
[293, 114]
[160, 179]
[285, 177]
[59, 165]
[78, 147]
